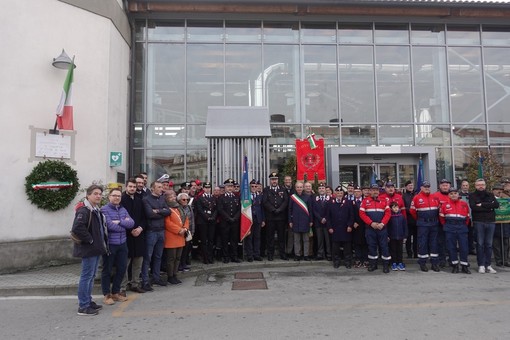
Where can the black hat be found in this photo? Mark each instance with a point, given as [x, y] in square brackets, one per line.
[444, 180]
[236, 184]
[273, 175]
[389, 184]
[425, 184]
[452, 189]
[185, 185]
[374, 186]
[253, 181]
[350, 184]
[322, 184]
[207, 185]
[407, 183]
[229, 181]
[497, 186]
[357, 187]
[339, 188]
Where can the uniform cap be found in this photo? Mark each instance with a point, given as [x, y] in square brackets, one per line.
[444, 180]
[273, 175]
[322, 184]
[407, 183]
[253, 181]
[374, 186]
[229, 181]
[207, 185]
[452, 189]
[425, 184]
[389, 184]
[357, 187]
[497, 186]
[186, 185]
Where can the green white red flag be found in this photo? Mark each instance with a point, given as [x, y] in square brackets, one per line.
[312, 141]
[65, 106]
[246, 217]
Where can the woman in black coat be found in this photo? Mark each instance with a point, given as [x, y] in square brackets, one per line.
[340, 221]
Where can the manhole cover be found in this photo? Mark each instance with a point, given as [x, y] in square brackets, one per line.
[249, 276]
[249, 285]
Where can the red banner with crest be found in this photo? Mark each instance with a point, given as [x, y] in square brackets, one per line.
[310, 159]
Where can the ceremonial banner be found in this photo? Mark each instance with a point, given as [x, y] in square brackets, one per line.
[310, 161]
[503, 212]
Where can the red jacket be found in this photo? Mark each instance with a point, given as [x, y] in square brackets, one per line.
[395, 198]
[425, 209]
[454, 212]
[374, 211]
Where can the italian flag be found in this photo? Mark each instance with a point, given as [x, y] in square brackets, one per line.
[246, 217]
[65, 106]
[311, 140]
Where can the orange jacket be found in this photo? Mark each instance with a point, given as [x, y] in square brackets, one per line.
[173, 224]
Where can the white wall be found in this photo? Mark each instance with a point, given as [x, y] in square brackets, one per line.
[29, 93]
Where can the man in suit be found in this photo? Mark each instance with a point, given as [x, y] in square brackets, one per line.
[275, 201]
[206, 214]
[252, 241]
[320, 204]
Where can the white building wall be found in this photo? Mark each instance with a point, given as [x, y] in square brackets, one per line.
[30, 90]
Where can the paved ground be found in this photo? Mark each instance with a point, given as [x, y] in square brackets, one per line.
[303, 301]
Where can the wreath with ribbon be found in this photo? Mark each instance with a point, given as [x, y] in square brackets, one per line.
[52, 185]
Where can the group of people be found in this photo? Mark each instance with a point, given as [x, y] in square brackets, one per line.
[142, 227]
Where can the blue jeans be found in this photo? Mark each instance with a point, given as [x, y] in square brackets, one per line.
[88, 273]
[118, 258]
[155, 242]
[484, 236]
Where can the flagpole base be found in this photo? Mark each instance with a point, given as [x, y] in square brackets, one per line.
[53, 132]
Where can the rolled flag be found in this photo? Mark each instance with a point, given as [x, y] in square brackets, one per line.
[65, 107]
[246, 216]
[311, 140]
[163, 178]
[419, 181]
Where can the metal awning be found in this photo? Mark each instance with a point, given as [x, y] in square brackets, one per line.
[237, 121]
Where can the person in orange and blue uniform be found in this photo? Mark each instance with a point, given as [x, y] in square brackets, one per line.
[454, 216]
[376, 214]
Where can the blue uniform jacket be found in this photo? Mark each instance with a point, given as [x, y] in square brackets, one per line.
[340, 216]
[397, 227]
[257, 210]
[320, 210]
[298, 217]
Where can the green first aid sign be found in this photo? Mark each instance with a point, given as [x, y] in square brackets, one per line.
[115, 158]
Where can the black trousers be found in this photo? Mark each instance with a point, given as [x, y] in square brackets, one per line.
[229, 238]
[207, 234]
[396, 251]
[279, 227]
[335, 251]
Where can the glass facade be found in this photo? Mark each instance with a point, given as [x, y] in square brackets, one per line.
[362, 84]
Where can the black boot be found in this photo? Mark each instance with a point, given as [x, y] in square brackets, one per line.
[386, 267]
[435, 268]
[336, 264]
[372, 266]
[423, 268]
[465, 269]
[455, 268]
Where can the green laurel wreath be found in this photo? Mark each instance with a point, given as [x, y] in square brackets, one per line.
[52, 200]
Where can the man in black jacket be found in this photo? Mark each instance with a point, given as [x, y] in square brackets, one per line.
[156, 210]
[483, 204]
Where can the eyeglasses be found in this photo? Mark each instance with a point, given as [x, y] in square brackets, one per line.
[184, 199]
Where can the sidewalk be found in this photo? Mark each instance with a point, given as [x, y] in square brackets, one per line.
[63, 280]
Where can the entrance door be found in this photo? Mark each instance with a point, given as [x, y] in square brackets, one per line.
[370, 173]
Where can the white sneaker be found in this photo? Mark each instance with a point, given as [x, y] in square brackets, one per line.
[490, 270]
[481, 270]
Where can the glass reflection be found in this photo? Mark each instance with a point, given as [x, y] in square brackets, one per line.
[243, 72]
[283, 32]
[431, 34]
[349, 33]
[469, 135]
[243, 31]
[138, 136]
[396, 135]
[391, 34]
[427, 134]
[205, 31]
[196, 165]
[196, 135]
[284, 134]
[355, 135]
[315, 33]
[463, 35]
[499, 134]
[171, 162]
[166, 30]
[330, 133]
[495, 35]
[497, 83]
[139, 79]
[165, 135]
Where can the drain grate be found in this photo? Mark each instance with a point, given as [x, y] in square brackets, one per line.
[249, 285]
[249, 276]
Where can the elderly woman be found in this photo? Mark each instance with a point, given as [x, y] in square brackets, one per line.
[176, 226]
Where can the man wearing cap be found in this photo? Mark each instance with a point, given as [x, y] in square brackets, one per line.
[443, 197]
[320, 205]
[206, 214]
[483, 205]
[359, 241]
[252, 241]
[350, 192]
[376, 214]
[425, 210]
[229, 209]
[412, 238]
[506, 189]
[275, 201]
[454, 216]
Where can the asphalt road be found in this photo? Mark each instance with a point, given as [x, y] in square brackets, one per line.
[303, 302]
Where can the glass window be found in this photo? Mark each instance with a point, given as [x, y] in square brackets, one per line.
[321, 92]
[427, 134]
[497, 83]
[243, 31]
[356, 70]
[499, 134]
[137, 161]
[279, 155]
[196, 136]
[496, 35]
[444, 164]
[356, 135]
[138, 136]
[165, 135]
[166, 30]
[391, 34]
[281, 81]
[171, 162]
[205, 84]
[396, 135]
[466, 94]
[165, 83]
[393, 84]
[349, 33]
[243, 72]
[205, 31]
[469, 135]
[140, 30]
[328, 132]
[464, 157]
[282, 32]
[196, 165]
[316, 33]
[430, 34]
[463, 35]
[284, 134]
[139, 100]
[430, 85]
